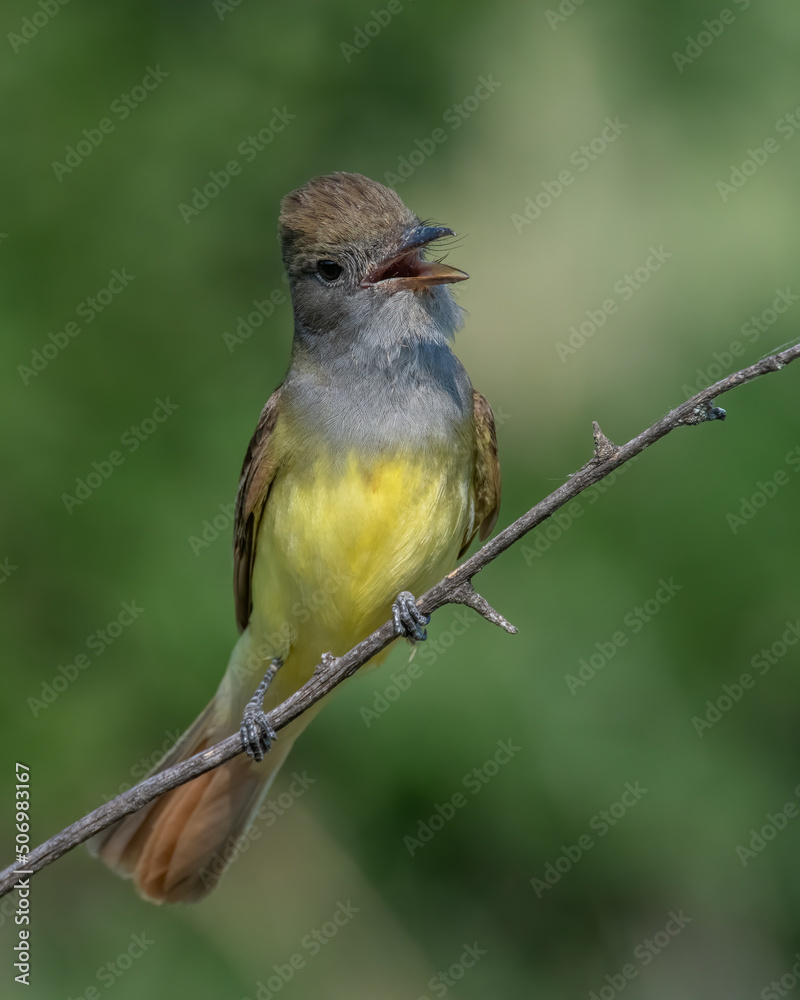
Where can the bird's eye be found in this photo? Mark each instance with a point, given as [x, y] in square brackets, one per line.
[329, 269]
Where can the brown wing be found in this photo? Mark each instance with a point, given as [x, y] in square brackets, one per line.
[486, 482]
[255, 481]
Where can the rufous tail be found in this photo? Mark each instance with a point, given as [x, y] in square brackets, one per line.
[176, 848]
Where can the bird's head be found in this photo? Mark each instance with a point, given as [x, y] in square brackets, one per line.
[356, 261]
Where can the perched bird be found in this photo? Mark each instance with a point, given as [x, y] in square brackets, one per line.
[372, 468]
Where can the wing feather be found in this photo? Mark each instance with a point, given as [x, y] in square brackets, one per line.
[258, 473]
[486, 481]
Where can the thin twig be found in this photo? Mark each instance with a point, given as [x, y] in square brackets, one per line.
[454, 589]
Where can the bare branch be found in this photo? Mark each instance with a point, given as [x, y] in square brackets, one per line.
[465, 593]
[454, 589]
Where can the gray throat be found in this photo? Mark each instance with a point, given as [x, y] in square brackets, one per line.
[370, 390]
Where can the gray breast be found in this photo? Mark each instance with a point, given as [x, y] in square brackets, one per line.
[414, 395]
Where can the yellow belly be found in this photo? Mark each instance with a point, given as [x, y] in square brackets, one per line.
[337, 544]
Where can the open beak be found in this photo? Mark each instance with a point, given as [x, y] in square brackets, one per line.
[405, 268]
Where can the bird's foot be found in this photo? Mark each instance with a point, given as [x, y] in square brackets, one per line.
[256, 732]
[408, 620]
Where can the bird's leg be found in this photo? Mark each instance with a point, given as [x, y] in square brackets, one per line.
[256, 732]
[408, 619]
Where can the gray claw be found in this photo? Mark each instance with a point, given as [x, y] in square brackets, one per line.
[408, 619]
[256, 732]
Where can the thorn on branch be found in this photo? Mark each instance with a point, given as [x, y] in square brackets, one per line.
[466, 594]
[603, 447]
[703, 412]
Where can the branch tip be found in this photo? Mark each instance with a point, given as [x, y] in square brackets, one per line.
[466, 594]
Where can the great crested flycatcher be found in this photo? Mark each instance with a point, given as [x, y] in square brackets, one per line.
[372, 468]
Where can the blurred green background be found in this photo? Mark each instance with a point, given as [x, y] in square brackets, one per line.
[365, 95]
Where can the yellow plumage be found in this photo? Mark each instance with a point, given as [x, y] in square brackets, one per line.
[344, 538]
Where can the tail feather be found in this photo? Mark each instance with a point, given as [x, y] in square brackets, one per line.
[120, 852]
[176, 848]
[193, 832]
